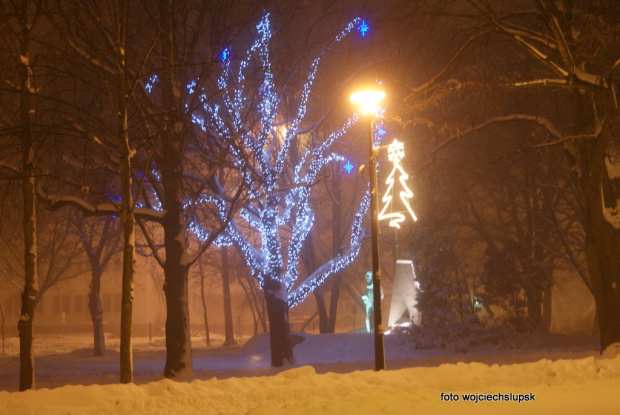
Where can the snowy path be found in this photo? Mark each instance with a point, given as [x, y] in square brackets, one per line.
[576, 383]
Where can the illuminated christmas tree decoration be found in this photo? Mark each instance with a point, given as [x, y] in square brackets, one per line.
[363, 28]
[396, 152]
[348, 167]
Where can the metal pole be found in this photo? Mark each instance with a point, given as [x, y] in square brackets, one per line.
[376, 267]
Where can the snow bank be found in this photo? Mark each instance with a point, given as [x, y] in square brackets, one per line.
[570, 386]
[570, 379]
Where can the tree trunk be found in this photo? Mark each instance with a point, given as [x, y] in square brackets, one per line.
[547, 307]
[31, 283]
[321, 310]
[26, 374]
[96, 314]
[534, 307]
[602, 242]
[2, 329]
[171, 158]
[279, 330]
[178, 341]
[602, 239]
[205, 315]
[333, 302]
[309, 258]
[127, 205]
[229, 335]
[336, 246]
[254, 301]
[129, 259]
[604, 267]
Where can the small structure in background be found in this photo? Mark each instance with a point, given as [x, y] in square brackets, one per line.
[403, 310]
[369, 300]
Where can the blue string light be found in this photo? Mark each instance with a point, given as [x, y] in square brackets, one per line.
[270, 231]
[151, 82]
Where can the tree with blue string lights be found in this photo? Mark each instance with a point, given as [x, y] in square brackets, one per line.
[278, 154]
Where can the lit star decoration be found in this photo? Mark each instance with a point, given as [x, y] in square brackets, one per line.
[270, 230]
[363, 28]
[396, 152]
[348, 167]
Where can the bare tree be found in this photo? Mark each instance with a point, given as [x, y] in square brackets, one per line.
[553, 66]
[19, 20]
[99, 238]
[277, 221]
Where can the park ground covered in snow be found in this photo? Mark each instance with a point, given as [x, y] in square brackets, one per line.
[333, 375]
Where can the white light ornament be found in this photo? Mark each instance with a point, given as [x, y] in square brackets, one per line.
[396, 152]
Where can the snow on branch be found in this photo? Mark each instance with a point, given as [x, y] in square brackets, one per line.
[571, 70]
[9, 167]
[56, 202]
[541, 121]
[430, 83]
[611, 214]
[538, 120]
[542, 82]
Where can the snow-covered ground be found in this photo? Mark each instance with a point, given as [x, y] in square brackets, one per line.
[333, 374]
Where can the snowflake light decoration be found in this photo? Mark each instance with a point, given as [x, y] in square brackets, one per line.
[348, 167]
[396, 151]
[363, 28]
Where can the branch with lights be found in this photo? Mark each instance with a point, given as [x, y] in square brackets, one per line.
[272, 229]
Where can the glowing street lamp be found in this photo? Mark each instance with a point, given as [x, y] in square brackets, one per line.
[368, 101]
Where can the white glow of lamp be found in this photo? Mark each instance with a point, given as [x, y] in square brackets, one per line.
[368, 101]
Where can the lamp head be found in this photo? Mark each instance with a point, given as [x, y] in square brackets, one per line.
[368, 100]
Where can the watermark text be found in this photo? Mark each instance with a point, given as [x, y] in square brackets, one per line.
[487, 397]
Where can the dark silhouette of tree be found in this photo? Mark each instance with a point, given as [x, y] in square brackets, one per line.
[550, 67]
[19, 33]
[99, 238]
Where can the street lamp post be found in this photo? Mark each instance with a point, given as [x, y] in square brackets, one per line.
[368, 102]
